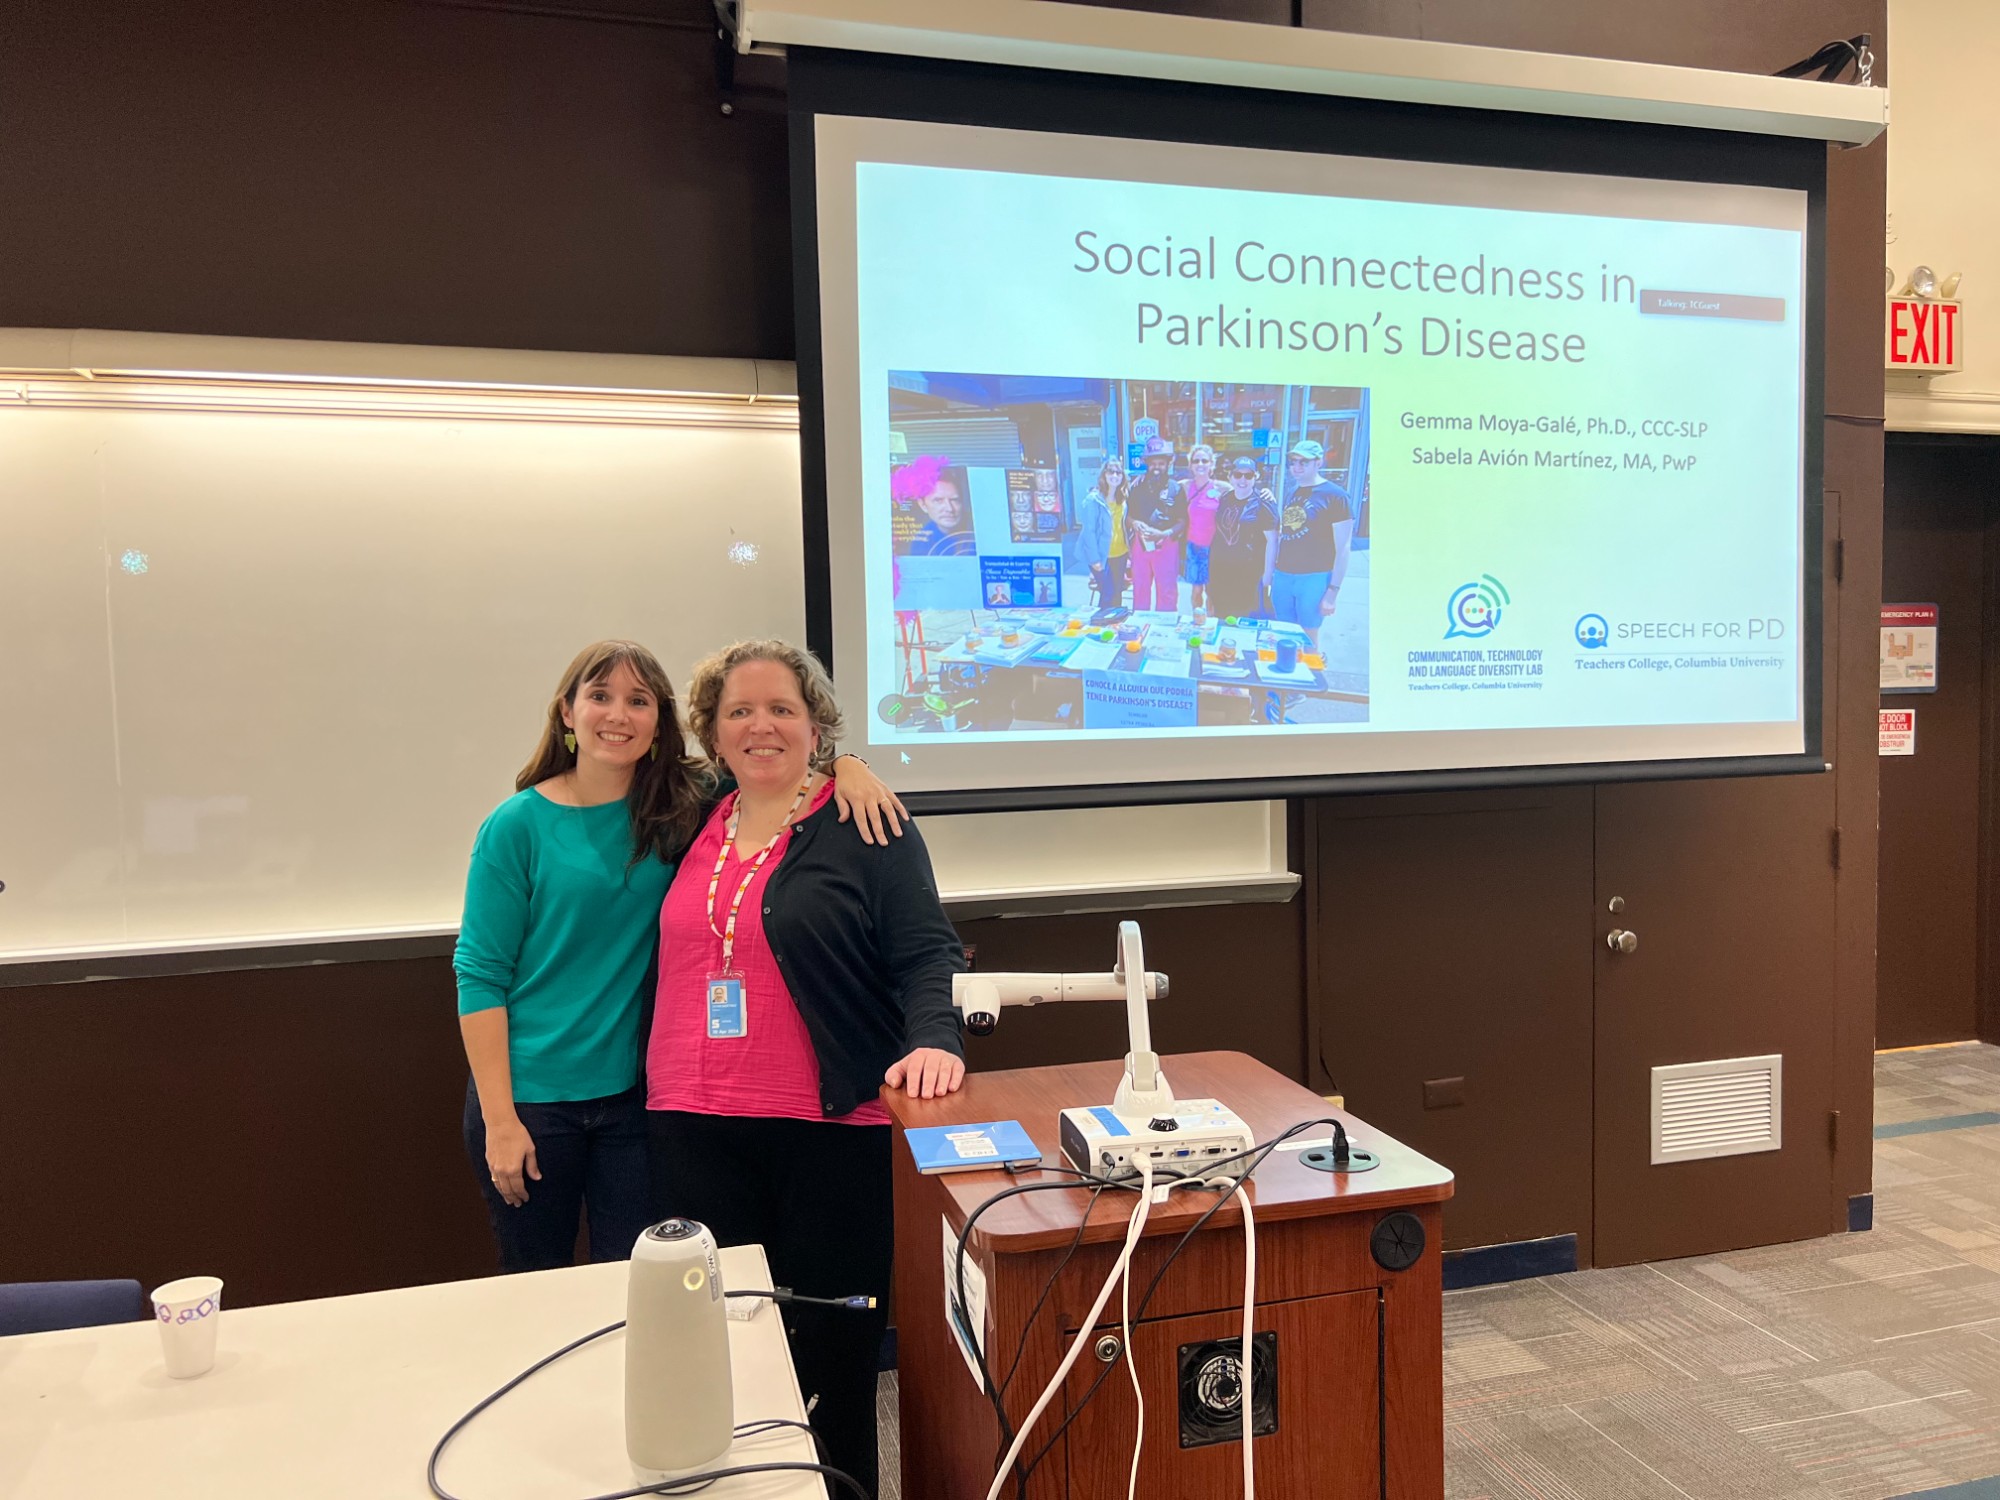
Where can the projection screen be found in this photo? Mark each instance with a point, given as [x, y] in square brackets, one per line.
[1155, 464]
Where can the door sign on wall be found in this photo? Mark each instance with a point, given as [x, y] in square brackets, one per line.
[1898, 731]
[1909, 648]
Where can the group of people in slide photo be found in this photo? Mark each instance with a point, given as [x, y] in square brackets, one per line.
[1240, 550]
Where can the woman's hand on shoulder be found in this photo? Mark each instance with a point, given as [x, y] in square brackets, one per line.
[862, 795]
[927, 1073]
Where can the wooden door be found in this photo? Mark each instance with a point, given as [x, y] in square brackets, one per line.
[1327, 1442]
[1451, 993]
[1727, 888]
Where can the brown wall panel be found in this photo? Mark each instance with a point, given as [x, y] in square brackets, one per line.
[1936, 513]
[385, 170]
[1747, 39]
[1236, 974]
[294, 1131]
[1454, 942]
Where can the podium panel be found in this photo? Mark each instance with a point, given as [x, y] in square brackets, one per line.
[1349, 1302]
[1324, 1373]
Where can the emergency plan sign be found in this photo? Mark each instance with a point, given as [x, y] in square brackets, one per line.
[1909, 648]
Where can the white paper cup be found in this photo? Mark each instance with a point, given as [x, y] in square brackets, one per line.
[188, 1312]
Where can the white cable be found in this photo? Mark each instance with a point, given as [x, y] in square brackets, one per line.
[1249, 1332]
[1125, 1328]
[1133, 1230]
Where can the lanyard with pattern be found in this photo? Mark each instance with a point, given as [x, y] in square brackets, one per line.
[727, 932]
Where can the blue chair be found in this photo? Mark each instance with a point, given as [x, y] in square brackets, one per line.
[45, 1306]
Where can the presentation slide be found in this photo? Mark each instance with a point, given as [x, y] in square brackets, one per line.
[1155, 462]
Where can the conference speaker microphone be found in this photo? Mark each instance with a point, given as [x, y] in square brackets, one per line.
[680, 1411]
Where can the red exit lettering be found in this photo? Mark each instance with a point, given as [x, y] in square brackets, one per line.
[1923, 334]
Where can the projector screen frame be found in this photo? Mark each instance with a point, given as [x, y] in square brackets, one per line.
[925, 90]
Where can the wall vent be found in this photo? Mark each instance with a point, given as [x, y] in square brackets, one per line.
[1728, 1107]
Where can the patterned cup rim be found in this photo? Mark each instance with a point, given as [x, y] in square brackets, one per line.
[186, 1294]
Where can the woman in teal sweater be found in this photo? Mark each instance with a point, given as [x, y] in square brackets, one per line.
[562, 907]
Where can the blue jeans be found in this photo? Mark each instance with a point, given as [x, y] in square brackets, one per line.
[1296, 596]
[592, 1157]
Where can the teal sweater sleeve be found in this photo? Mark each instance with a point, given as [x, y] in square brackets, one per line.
[495, 923]
[559, 928]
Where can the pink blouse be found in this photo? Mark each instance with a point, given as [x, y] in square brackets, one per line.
[770, 1071]
[1201, 513]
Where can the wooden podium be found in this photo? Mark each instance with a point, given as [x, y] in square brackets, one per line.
[1358, 1401]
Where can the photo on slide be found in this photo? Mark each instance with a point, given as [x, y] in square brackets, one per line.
[1117, 558]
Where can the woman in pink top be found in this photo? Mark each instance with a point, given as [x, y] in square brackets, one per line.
[800, 970]
[1204, 495]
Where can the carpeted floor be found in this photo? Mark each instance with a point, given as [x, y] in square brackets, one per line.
[1861, 1366]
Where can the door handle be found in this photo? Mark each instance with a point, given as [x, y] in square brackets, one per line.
[1619, 940]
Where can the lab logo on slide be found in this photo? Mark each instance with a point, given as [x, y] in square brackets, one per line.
[1474, 609]
[1593, 632]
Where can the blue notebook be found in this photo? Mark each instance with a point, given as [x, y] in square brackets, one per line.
[963, 1148]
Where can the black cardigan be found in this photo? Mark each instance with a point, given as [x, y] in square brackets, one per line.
[866, 951]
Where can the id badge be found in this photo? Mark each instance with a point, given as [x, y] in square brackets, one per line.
[726, 1018]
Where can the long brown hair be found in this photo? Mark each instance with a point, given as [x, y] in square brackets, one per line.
[668, 787]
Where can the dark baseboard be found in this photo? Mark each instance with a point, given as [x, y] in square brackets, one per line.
[1483, 1265]
[1860, 1212]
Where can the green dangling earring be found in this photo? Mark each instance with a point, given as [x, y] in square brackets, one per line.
[654, 753]
[569, 742]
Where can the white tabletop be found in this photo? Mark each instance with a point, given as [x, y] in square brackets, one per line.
[344, 1397]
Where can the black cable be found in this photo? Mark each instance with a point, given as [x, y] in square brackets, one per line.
[685, 1485]
[1048, 1286]
[1260, 1152]
[974, 1337]
[1832, 60]
[786, 1294]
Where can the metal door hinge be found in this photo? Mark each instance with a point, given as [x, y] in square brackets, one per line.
[1840, 559]
[1833, 1130]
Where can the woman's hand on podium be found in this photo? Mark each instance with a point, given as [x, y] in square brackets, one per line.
[927, 1073]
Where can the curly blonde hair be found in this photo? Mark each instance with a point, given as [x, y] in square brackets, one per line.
[704, 693]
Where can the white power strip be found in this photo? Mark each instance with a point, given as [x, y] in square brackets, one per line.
[1098, 1139]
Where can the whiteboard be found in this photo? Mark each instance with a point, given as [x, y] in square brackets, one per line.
[268, 671]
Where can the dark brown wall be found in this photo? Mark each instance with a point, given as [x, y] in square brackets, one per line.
[388, 170]
[407, 172]
[292, 1130]
[1938, 513]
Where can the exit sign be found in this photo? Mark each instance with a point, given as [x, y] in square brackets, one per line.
[1922, 336]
